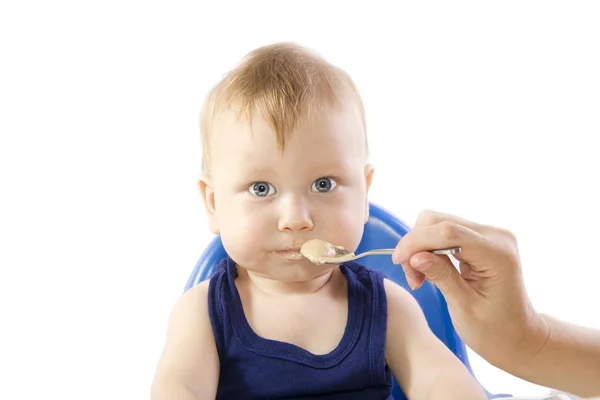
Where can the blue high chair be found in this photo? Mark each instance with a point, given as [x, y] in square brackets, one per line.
[382, 230]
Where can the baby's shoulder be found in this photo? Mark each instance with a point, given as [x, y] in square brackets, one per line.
[198, 291]
[193, 303]
[401, 305]
[397, 292]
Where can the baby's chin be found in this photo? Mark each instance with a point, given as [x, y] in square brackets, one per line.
[287, 271]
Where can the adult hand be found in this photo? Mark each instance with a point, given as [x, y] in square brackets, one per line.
[487, 300]
[490, 308]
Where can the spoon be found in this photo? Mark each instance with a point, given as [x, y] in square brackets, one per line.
[322, 252]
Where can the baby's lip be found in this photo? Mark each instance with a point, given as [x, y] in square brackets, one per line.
[295, 246]
[290, 254]
[290, 251]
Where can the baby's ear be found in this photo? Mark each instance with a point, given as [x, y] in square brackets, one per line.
[369, 171]
[208, 196]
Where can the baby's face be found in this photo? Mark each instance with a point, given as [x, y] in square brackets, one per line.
[268, 203]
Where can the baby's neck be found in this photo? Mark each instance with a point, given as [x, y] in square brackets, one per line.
[274, 287]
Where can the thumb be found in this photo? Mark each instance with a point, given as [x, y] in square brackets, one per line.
[440, 271]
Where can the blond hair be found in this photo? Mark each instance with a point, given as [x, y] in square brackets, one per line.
[285, 82]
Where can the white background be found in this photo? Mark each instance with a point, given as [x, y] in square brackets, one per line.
[488, 110]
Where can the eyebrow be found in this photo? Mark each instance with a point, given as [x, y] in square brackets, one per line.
[257, 172]
[332, 165]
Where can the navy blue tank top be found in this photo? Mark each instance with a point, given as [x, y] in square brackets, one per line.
[253, 367]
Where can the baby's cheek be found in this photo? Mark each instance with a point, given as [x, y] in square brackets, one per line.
[343, 231]
[351, 226]
[242, 243]
[353, 236]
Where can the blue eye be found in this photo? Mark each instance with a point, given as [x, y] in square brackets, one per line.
[323, 185]
[262, 189]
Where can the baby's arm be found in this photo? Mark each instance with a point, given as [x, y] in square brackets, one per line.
[188, 368]
[423, 366]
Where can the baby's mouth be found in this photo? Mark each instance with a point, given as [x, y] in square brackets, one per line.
[290, 254]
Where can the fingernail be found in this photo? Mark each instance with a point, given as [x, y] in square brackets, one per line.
[411, 282]
[396, 256]
[422, 265]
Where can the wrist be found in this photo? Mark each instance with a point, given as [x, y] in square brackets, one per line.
[521, 358]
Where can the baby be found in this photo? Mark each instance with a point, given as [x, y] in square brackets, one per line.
[285, 161]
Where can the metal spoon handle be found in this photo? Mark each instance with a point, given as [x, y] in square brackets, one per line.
[377, 252]
[451, 250]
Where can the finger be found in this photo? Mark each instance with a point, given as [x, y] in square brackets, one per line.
[429, 217]
[440, 271]
[414, 278]
[475, 246]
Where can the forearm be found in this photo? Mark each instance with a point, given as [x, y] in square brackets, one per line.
[569, 359]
